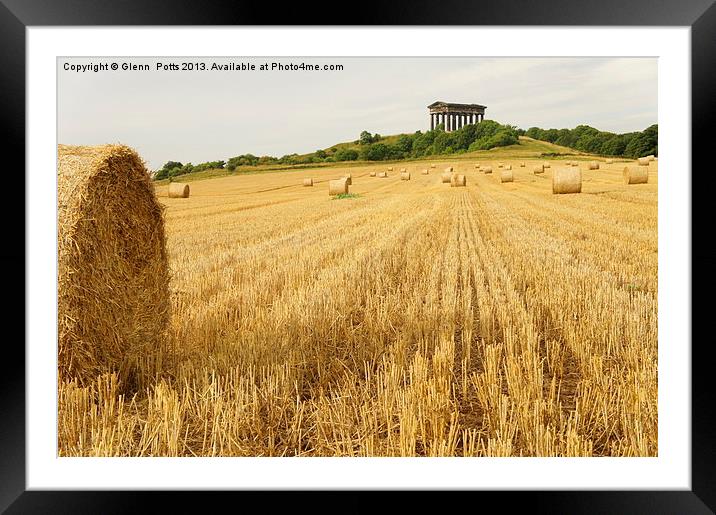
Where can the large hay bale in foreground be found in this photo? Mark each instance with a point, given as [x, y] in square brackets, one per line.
[643, 161]
[178, 190]
[506, 176]
[538, 169]
[567, 180]
[308, 182]
[405, 176]
[446, 177]
[457, 180]
[338, 186]
[487, 169]
[112, 272]
[594, 165]
[636, 175]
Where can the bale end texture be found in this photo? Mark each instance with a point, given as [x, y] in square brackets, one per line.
[567, 180]
[506, 176]
[446, 177]
[405, 176]
[538, 169]
[308, 182]
[458, 180]
[487, 169]
[594, 165]
[113, 278]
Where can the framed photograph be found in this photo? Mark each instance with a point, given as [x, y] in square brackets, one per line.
[449, 249]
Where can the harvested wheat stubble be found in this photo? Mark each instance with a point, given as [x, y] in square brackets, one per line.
[405, 176]
[308, 182]
[487, 169]
[425, 171]
[338, 186]
[372, 174]
[567, 180]
[113, 278]
[643, 161]
[594, 165]
[506, 176]
[538, 169]
[446, 177]
[457, 180]
[178, 190]
[636, 175]
[610, 161]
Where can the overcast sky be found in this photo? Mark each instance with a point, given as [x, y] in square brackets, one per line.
[197, 116]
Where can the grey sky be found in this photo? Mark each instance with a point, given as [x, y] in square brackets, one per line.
[203, 116]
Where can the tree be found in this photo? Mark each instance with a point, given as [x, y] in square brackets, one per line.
[365, 138]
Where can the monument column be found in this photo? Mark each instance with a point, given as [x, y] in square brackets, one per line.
[432, 121]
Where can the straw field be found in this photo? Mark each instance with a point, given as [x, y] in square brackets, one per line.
[414, 319]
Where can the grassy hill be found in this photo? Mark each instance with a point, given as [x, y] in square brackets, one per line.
[526, 148]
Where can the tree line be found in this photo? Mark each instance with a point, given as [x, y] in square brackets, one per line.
[469, 138]
[589, 139]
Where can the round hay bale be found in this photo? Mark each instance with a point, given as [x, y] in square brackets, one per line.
[594, 165]
[382, 174]
[425, 172]
[636, 175]
[390, 168]
[567, 180]
[643, 161]
[112, 274]
[403, 170]
[506, 176]
[487, 169]
[508, 167]
[538, 169]
[457, 180]
[178, 190]
[446, 177]
[651, 157]
[405, 176]
[610, 161]
[547, 165]
[522, 164]
[499, 165]
[338, 186]
[372, 174]
[477, 167]
[348, 179]
[449, 169]
[308, 182]
[433, 165]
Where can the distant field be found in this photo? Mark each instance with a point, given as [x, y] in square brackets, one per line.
[414, 320]
[527, 148]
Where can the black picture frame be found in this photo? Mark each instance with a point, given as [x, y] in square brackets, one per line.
[699, 15]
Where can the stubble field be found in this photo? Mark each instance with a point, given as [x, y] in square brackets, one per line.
[414, 320]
